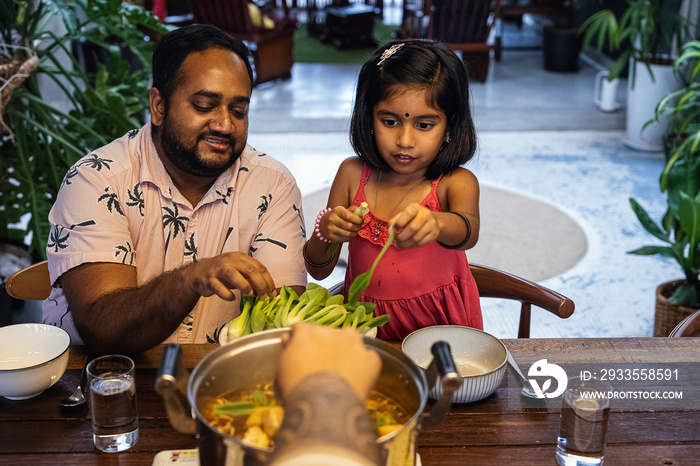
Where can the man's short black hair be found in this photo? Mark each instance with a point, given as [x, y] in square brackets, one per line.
[174, 47]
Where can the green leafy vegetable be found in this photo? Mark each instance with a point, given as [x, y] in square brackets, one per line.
[315, 306]
[260, 399]
[362, 281]
[234, 408]
[241, 325]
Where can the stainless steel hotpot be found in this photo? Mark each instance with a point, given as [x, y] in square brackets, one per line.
[252, 360]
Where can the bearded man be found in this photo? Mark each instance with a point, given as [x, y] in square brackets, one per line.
[155, 236]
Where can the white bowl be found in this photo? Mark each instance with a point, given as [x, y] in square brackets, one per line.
[33, 357]
[481, 359]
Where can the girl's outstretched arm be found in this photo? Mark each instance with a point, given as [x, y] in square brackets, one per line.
[456, 227]
[337, 225]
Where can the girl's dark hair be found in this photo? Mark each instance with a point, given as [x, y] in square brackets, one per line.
[175, 46]
[425, 63]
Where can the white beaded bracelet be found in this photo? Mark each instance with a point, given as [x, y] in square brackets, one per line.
[318, 222]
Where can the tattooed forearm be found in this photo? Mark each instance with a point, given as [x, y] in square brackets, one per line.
[323, 409]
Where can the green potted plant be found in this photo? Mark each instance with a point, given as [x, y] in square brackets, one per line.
[43, 132]
[647, 36]
[679, 228]
[683, 105]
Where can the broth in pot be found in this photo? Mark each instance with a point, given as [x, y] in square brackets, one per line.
[254, 416]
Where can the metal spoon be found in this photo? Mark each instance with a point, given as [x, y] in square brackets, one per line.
[527, 388]
[77, 398]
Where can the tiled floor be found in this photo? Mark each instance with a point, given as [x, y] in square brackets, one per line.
[540, 135]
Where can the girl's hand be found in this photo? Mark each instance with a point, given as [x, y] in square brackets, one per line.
[416, 225]
[340, 224]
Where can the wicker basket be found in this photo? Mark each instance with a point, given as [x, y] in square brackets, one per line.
[12, 73]
[668, 315]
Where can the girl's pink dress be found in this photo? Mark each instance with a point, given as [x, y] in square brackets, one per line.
[417, 287]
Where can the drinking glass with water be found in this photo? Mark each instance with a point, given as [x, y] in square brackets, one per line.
[112, 397]
[583, 423]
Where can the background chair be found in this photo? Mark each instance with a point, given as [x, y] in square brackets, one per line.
[494, 283]
[32, 282]
[466, 25]
[688, 327]
[272, 49]
[415, 15]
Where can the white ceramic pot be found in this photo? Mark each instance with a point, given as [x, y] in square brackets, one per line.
[643, 94]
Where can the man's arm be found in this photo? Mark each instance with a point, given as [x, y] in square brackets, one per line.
[324, 418]
[324, 377]
[113, 314]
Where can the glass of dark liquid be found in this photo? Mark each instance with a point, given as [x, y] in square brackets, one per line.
[112, 398]
[583, 423]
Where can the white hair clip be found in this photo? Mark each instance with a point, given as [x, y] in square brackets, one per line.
[387, 53]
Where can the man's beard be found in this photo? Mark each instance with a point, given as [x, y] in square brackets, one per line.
[188, 159]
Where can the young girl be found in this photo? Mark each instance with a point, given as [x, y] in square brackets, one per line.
[412, 129]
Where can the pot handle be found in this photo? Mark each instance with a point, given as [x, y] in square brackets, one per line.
[171, 378]
[444, 366]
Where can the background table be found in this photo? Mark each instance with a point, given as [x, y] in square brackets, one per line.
[491, 432]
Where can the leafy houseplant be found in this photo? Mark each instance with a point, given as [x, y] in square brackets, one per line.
[647, 36]
[680, 179]
[683, 106]
[648, 31]
[39, 142]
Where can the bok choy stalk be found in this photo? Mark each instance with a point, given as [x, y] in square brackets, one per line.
[313, 300]
[289, 297]
[258, 319]
[240, 326]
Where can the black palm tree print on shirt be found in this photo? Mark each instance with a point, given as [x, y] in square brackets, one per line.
[264, 205]
[135, 198]
[126, 252]
[225, 196]
[94, 161]
[217, 334]
[72, 171]
[301, 220]
[112, 201]
[191, 248]
[173, 221]
[59, 236]
[259, 238]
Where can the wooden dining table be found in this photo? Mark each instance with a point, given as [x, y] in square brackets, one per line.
[501, 429]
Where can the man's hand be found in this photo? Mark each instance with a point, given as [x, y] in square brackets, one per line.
[314, 348]
[234, 270]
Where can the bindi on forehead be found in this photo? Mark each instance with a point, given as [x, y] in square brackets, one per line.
[407, 115]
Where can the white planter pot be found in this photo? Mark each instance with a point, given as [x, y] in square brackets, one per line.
[642, 99]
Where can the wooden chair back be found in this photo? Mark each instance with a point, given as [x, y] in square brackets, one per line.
[32, 282]
[688, 327]
[230, 15]
[273, 52]
[468, 26]
[494, 283]
[464, 24]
